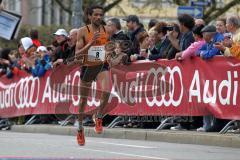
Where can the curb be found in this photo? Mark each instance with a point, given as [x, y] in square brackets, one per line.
[183, 137]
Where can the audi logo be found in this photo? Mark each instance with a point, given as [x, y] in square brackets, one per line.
[161, 86]
[26, 92]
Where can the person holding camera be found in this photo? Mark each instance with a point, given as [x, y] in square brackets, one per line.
[211, 37]
[173, 31]
[186, 24]
[231, 44]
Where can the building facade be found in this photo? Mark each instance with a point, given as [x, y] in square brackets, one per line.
[38, 12]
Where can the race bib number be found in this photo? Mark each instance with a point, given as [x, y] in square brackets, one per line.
[96, 53]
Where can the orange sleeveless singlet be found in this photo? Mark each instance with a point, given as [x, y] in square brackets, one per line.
[99, 45]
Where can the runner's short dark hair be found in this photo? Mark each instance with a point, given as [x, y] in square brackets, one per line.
[91, 8]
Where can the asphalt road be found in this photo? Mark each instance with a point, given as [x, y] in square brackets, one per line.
[31, 146]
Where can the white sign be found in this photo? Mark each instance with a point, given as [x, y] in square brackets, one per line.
[9, 23]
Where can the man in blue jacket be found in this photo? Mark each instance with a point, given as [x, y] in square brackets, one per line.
[211, 36]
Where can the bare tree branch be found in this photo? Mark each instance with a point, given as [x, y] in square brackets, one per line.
[211, 9]
[220, 11]
[180, 2]
[111, 5]
[65, 8]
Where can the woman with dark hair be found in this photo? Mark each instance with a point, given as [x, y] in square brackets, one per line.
[191, 50]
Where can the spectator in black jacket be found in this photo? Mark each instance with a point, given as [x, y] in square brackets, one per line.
[186, 24]
[134, 28]
[113, 28]
[62, 50]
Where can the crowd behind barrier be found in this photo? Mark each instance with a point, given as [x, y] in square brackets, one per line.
[212, 93]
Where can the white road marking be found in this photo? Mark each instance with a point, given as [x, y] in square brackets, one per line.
[125, 154]
[125, 145]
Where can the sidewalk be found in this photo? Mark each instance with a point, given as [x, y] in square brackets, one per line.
[185, 137]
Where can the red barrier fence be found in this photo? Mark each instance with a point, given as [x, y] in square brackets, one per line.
[190, 88]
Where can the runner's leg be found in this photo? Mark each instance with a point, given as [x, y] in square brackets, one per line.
[104, 79]
[84, 91]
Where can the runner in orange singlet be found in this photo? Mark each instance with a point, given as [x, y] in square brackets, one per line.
[90, 43]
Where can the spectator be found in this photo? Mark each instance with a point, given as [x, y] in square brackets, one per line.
[113, 28]
[155, 38]
[192, 49]
[186, 23]
[34, 36]
[28, 47]
[42, 62]
[221, 25]
[231, 43]
[143, 40]
[157, 52]
[8, 63]
[14, 65]
[171, 51]
[152, 23]
[4, 61]
[72, 45]
[208, 50]
[134, 28]
[154, 41]
[116, 54]
[211, 36]
[62, 50]
[199, 22]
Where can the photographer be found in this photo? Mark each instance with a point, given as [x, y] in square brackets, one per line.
[186, 24]
[173, 31]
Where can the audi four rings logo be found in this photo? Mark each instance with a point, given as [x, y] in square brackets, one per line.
[159, 79]
[156, 86]
[24, 93]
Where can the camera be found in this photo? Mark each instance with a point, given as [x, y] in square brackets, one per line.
[169, 28]
[227, 35]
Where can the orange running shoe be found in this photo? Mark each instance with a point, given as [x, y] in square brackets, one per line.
[81, 137]
[98, 125]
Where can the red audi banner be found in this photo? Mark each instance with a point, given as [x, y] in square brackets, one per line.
[192, 87]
